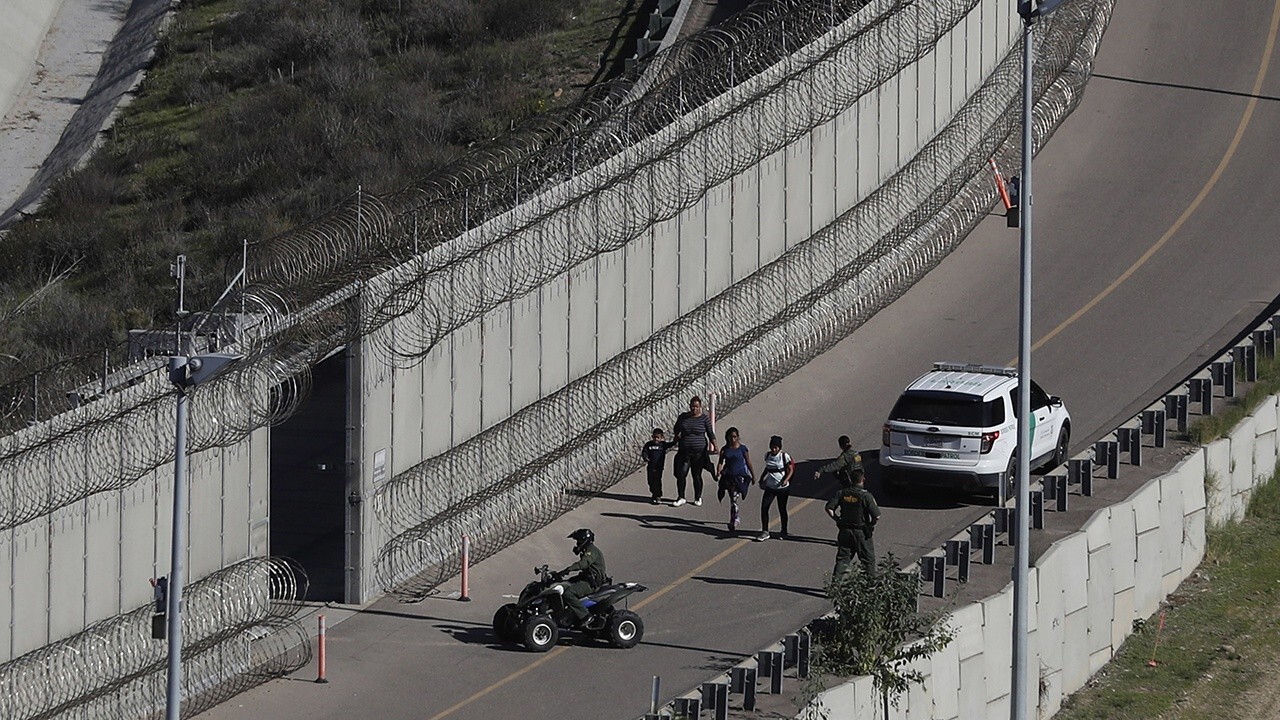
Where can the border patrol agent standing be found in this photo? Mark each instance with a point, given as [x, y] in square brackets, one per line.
[856, 513]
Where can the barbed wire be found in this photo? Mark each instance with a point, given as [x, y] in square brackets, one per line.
[236, 622]
[596, 175]
[506, 482]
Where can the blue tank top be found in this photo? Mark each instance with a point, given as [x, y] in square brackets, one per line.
[735, 461]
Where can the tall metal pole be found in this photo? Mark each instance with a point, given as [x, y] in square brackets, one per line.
[173, 696]
[1021, 574]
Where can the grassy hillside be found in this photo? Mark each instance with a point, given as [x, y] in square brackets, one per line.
[260, 114]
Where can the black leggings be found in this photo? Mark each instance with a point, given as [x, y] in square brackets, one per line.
[697, 461]
[766, 500]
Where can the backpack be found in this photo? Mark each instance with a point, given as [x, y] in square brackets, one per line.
[773, 483]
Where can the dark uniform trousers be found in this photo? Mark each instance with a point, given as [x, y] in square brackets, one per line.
[851, 543]
[573, 594]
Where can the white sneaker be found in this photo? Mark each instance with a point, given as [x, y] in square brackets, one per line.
[678, 502]
[762, 536]
[697, 502]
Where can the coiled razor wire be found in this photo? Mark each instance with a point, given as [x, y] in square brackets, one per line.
[237, 631]
[583, 182]
[503, 483]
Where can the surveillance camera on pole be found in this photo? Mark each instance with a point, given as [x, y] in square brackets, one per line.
[185, 373]
[1030, 10]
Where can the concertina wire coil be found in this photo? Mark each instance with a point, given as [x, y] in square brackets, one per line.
[304, 283]
[505, 482]
[238, 631]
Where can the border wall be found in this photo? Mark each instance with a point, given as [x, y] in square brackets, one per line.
[1089, 587]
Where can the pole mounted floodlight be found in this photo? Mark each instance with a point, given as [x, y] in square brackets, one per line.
[186, 371]
[1030, 10]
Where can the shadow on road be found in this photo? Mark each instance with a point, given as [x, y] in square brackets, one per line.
[673, 522]
[763, 584]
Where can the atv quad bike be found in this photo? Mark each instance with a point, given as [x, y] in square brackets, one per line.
[538, 617]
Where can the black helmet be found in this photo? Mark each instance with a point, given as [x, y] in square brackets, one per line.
[584, 537]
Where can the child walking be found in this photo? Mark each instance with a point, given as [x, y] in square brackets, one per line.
[735, 473]
[654, 454]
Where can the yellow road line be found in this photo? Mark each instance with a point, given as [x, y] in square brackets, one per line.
[1195, 204]
[1204, 192]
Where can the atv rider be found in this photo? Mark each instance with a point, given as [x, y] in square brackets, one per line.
[590, 573]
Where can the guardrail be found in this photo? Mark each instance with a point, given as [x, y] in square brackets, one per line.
[951, 564]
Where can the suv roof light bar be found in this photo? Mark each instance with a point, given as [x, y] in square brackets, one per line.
[975, 368]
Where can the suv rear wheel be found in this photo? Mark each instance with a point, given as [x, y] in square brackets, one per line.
[1060, 451]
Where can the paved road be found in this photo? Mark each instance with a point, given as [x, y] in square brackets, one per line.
[1154, 244]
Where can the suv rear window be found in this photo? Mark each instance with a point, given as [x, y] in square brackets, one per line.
[946, 408]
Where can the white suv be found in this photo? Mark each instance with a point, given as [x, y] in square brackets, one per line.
[957, 426]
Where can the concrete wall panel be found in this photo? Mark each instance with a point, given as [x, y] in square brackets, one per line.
[583, 292]
[746, 223]
[1171, 524]
[773, 229]
[666, 273]
[103, 575]
[66, 571]
[1123, 544]
[823, 176]
[869, 159]
[1264, 456]
[525, 369]
[1242, 474]
[1098, 529]
[1052, 570]
[1217, 466]
[845, 161]
[467, 355]
[1075, 650]
[31, 598]
[945, 683]
[1122, 619]
[967, 622]
[798, 191]
[973, 683]
[1265, 416]
[1101, 590]
[555, 339]
[911, 136]
[693, 257]
[638, 290]
[720, 238]
[997, 618]
[1148, 573]
[612, 306]
[1146, 506]
[437, 391]
[496, 367]
[410, 404]
[1075, 571]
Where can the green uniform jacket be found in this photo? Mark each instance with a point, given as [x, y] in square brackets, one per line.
[590, 567]
[855, 508]
[848, 463]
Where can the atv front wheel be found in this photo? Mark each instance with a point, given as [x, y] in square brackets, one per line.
[505, 622]
[540, 633]
[625, 629]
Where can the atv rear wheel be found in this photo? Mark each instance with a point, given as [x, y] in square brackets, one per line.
[625, 629]
[505, 622]
[540, 633]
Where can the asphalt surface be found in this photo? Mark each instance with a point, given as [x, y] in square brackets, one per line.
[1154, 244]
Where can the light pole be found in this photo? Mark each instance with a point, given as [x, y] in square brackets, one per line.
[185, 373]
[1030, 10]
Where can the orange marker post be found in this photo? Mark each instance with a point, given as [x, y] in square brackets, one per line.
[1159, 629]
[466, 562]
[321, 655]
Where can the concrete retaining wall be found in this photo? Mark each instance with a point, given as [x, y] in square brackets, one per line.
[1087, 589]
[23, 25]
